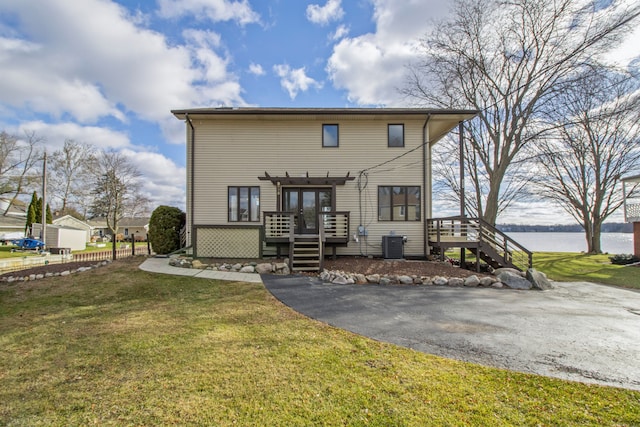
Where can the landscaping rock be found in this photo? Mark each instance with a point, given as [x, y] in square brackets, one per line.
[198, 264]
[340, 280]
[471, 281]
[487, 281]
[65, 273]
[373, 278]
[498, 271]
[514, 280]
[360, 279]
[264, 268]
[405, 280]
[497, 285]
[248, 269]
[538, 280]
[236, 267]
[440, 281]
[456, 281]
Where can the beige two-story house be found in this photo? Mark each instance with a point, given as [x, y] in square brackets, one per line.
[310, 182]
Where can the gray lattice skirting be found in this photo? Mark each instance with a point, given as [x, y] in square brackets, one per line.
[224, 241]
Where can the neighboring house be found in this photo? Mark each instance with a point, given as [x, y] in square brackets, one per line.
[138, 226]
[11, 227]
[292, 178]
[69, 221]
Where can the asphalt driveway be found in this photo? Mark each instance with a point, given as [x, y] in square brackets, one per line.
[577, 331]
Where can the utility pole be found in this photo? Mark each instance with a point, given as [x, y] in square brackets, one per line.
[44, 200]
[462, 201]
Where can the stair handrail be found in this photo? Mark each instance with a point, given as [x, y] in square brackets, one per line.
[321, 240]
[510, 245]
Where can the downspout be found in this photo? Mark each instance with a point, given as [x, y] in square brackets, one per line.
[191, 188]
[425, 179]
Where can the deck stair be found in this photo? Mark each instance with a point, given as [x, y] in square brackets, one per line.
[306, 253]
[482, 239]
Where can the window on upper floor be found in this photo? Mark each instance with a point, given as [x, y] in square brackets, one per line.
[330, 135]
[396, 135]
[244, 204]
[398, 203]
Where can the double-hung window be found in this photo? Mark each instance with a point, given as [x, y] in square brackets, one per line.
[398, 203]
[244, 204]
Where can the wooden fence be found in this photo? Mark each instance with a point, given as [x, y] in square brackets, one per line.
[108, 254]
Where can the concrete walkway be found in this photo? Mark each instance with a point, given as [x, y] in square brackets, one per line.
[577, 331]
[161, 265]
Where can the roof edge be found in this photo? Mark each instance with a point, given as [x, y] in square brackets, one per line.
[232, 111]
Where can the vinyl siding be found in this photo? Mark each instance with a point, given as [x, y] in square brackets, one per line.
[235, 151]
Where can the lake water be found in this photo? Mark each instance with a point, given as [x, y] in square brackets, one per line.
[613, 243]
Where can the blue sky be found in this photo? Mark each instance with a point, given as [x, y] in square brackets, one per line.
[108, 72]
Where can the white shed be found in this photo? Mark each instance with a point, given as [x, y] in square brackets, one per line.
[62, 237]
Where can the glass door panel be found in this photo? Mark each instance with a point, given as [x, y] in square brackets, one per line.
[309, 212]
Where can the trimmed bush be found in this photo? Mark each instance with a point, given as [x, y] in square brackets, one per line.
[164, 229]
[624, 259]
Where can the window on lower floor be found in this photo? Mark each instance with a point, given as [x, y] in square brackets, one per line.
[244, 204]
[398, 203]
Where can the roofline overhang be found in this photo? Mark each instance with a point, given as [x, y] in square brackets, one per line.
[226, 111]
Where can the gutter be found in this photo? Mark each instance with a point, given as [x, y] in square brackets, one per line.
[425, 234]
[191, 189]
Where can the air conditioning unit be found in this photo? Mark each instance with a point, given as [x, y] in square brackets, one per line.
[392, 247]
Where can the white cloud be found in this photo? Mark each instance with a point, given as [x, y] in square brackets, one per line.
[256, 69]
[54, 135]
[294, 80]
[382, 56]
[340, 32]
[89, 60]
[322, 15]
[214, 10]
[164, 181]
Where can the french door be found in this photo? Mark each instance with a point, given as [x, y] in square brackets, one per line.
[307, 203]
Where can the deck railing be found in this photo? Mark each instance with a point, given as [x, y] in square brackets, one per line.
[475, 232]
[279, 225]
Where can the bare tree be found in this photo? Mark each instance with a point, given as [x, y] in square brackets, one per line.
[18, 157]
[508, 59]
[116, 191]
[70, 175]
[596, 143]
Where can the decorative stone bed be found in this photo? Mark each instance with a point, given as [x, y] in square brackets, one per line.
[456, 277]
[51, 270]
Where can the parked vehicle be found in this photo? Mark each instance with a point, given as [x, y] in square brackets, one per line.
[28, 243]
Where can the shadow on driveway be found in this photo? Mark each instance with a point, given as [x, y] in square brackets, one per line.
[577, 331]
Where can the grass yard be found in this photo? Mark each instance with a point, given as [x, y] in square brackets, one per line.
[120, 346]
[574, 267]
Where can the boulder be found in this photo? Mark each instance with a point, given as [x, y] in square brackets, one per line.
[248, 269]
[198, 264]
[440, 281]
[236, 267]
[405, 280]
[487, 281]
[538, 280]
[373, 278]
[264, 268]
[385, 281]
[472, 281]
[497, 285]
[340, 280]
[498, 271]
[514, 280]
[456, 281]
[360, 278]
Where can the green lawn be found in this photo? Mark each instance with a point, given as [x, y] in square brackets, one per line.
[572, 267]
[119, 346]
